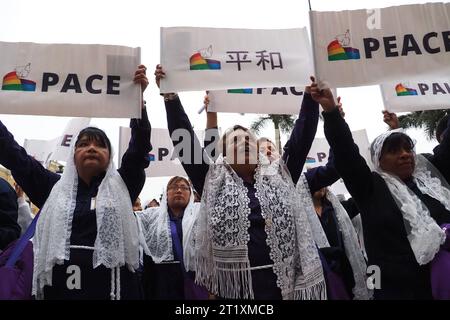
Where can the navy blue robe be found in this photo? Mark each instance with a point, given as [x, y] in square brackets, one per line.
[37, 182]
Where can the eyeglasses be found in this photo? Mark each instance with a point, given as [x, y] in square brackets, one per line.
[175, 188]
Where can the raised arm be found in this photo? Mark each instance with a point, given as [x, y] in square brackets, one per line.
[323, 176]
[135, 159]
[350, 165]
[36, 181]
[302, 136]
[211, 132]
[179, 128]
[211, 116]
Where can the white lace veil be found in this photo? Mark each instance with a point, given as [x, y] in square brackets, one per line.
[423, 233]
[155, 224]
[352, 249]
[117, 231]
[219, 242]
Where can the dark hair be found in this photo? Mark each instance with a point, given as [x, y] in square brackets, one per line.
[397, 141]
[441, 127]
[95, 134]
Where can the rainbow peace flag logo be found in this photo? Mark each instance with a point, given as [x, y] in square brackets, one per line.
[15, 80]
[245, 91]
[404, 91]
[340, 49]
[201, 60]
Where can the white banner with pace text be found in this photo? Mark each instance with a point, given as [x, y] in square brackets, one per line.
[407, 95]
[74, 80]
[371, 47]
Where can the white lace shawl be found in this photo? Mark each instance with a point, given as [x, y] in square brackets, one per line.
[155, 224]
[424, 235]
[218, 244]
[357, 224]
[117, 231]
[352, 249]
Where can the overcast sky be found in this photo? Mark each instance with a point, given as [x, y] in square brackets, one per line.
[136, 23]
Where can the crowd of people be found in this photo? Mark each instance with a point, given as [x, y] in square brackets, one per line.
[248, 222]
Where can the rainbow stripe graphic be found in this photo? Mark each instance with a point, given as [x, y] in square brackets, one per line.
[12, 82]
[246, 91]
[310, 160]
[197, 62]
[403, 91]
[338, 52]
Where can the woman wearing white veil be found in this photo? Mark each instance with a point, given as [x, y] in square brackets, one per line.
[252, 238]
[402, 203]
[337, 241]
[166, 229]
[86, 243]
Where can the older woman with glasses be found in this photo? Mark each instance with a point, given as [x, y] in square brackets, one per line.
[165, 229]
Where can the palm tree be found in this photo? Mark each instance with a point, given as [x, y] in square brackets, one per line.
[282, 122]
[427, 119]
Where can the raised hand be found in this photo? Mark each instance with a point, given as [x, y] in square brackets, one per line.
[324, 97]
[159, 74]
[211, 117]
[391, 120]
[206, 101]
[141, 77]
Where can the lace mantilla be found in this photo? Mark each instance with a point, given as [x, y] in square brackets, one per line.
[117, 231]
[424, 235]
[351, 244]
[221, 236]
[155, 224]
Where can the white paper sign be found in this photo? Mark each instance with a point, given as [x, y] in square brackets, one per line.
[41, 150]
[62, 148]
[218, 59]
[57, 149]
[69, 80]
[366, 47]
[161, 163]
[280, 100]
[405, 95]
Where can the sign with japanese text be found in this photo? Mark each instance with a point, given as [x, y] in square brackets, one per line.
[219, 59]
